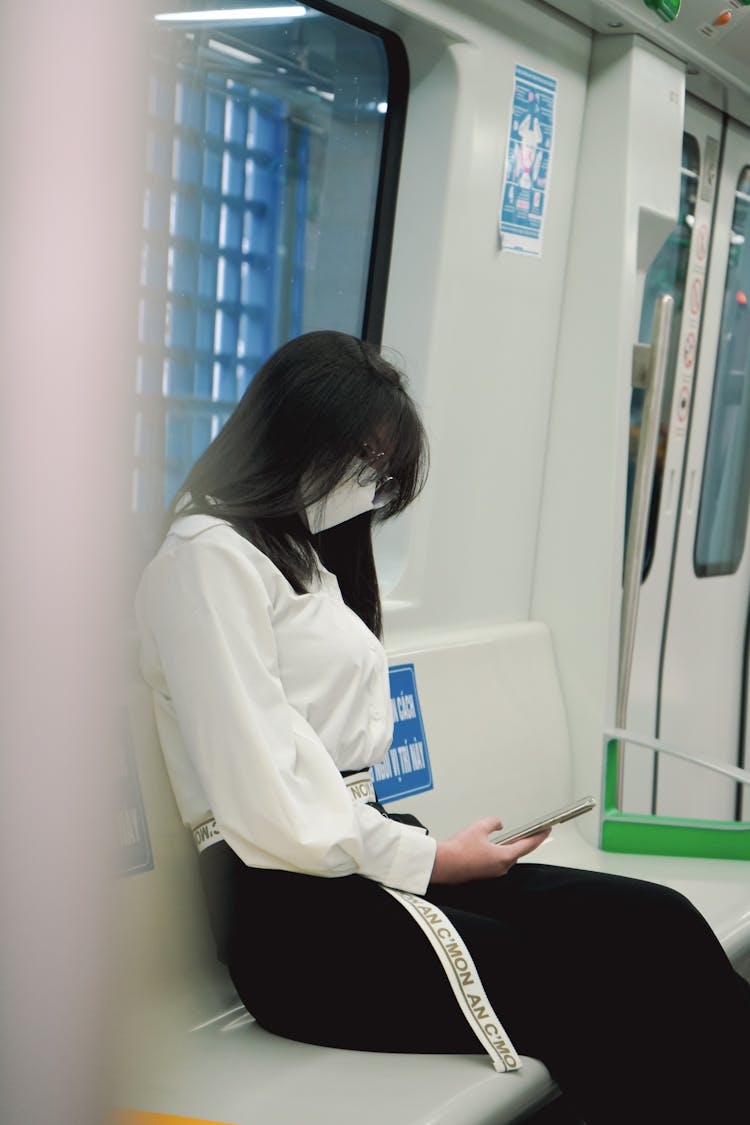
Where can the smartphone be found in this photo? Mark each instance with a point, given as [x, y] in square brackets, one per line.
[509, 836]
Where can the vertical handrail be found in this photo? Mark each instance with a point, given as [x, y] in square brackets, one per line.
[639, 511]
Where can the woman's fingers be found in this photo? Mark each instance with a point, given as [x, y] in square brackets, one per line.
[470, 855]
[523, 846]
[487, 824]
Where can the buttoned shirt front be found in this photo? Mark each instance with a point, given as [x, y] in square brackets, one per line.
[262, 696]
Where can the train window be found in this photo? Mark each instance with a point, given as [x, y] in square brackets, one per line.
[722, 516]
[266, 140]
[667, 274]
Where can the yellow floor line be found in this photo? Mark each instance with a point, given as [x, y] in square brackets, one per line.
[140, 1117]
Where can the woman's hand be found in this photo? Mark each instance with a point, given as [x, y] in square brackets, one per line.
[469, 854]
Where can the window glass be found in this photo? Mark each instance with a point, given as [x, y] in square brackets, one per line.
[265, 138]
[722, 517]
[667, 274]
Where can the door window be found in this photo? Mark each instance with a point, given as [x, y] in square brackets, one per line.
[667, 274]
[722, 517]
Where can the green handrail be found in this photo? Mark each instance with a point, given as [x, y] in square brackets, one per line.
[645, 834]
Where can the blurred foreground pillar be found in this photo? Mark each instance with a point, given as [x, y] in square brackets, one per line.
[71, 138]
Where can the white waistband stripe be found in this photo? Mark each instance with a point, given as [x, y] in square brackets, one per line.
[360, 786]
[206, 833]
[464, 979]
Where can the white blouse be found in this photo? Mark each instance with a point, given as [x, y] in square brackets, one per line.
[262, 696]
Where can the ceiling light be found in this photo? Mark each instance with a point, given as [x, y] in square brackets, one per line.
[234, 15]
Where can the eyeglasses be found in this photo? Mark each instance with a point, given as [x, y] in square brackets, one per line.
[374, 471]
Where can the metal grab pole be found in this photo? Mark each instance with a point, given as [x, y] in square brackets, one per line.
[639, 509]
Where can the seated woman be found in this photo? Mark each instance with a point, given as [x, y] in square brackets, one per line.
[261, 622]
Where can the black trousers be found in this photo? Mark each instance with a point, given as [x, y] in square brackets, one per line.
[619, 986]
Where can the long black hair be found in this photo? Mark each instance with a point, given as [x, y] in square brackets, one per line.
[302, 422]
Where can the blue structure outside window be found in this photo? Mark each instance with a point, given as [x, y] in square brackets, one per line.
[264, 179]
[220, 154]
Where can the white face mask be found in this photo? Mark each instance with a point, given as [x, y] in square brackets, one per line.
[346, 500]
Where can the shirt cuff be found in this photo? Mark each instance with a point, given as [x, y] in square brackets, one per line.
[413, 861]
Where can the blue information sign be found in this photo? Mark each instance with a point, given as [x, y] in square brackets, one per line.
[405, 770]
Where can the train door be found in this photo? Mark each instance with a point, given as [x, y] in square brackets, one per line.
[702, 689]
[687, 684]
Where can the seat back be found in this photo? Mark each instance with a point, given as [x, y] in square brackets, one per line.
[495, 725]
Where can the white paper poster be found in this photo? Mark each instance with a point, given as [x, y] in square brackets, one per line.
[527, 161]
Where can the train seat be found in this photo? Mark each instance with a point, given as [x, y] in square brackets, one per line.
[496, 731]
[510, 748]
[500, 739]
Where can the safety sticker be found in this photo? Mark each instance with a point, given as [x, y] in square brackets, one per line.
[405, 770]
[527, 162]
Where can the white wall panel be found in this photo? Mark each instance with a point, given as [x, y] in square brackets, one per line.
[477, 326]
[628, 185]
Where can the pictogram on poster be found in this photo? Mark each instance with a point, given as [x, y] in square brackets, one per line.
[527, 161]
[696, 296]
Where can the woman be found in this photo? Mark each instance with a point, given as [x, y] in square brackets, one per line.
[260, 620]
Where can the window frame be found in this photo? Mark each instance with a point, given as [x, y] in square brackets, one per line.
[394, 129]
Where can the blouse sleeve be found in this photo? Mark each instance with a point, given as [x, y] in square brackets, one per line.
[272, 787]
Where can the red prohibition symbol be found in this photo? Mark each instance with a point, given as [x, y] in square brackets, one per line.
[702, 242]
[696, 295]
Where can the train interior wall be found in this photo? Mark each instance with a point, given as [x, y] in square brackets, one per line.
[502, 584]
[478, 332]
[499, 572]
[479, 329]
[522, 364]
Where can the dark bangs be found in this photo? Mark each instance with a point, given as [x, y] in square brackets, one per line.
[407, 454]
[357, 398]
